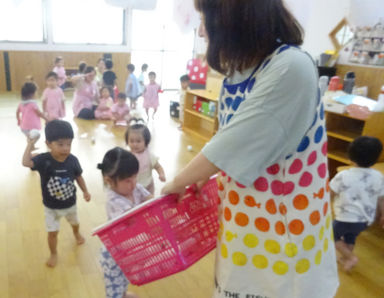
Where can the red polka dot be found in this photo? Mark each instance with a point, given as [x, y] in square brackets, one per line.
[271, 206]
[322, 170]
[227, 214]
[229, 179]
[262, 224]
[288, 188]
[280, 228]
[324, 149]
[273, 170]
[312, 158]
[314, 218]
[233, 197]
[277, 187]
[282, 209]
[325, 209]
[296, 167]
[261, 184]
[306, 179]
[240, 185]
[300, 202]
[296, 227]
[241, 219]
[223, 173]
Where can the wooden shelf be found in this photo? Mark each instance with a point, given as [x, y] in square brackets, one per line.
[212, 96]
[201, 133]
[200, 115]
[344, 135]
[340, 156]
[347, 116]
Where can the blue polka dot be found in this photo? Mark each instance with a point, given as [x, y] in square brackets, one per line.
[229, 117]
[229, 101]
[322, 111]
[222, 106]
[266, 63]
[251, 84]
[243, 86]
[232, 89]
[237, 103]
[304, 144]
[319, 134]
[314, 121]
[288, 157]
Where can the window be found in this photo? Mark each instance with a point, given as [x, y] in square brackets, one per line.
[21, 20]
[86, 21]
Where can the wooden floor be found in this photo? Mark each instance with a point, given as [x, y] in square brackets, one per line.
[23, 247]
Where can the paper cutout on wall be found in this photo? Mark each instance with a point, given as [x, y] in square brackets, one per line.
[185, 15]
[133, 4]
[197, 71]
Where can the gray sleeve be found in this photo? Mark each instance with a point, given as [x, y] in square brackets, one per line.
[272, 120]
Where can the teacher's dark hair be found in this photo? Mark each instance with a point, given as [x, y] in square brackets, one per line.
[242, 33]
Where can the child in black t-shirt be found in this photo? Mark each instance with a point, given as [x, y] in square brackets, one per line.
[58, 169]
[109, 77]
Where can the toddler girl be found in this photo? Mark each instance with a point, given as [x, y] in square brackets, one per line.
[151, 95]
[120, 110]
[119, 169]
[28, 113]
[138, 137]
[60, 70]
[103, 111]
[53, 98]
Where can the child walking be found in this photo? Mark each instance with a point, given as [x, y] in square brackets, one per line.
[60, 70]
[357, 191]
[103, 110]
[28, 113]
[141, 78]
[109, 77]
[138, 137]
[119, 169]
[132, 86]
[120, 110]
[58, 170]
[151, 95]
[53, 98]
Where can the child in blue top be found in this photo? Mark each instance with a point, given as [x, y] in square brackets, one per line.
[132, 89]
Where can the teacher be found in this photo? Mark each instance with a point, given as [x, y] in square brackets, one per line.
[275, 238]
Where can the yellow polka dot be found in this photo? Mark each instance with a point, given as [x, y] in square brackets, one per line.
[318, 257]
[328, 222]
[309, 242]
[260, 262]
[291, 250]
[239, 259]
[221, 231]
[332, 235]
[302, 266]
[326, 244]
[321, 233]
[224, 251]
[250, 240]
[229, 236]
[280, 268]
[272, 246]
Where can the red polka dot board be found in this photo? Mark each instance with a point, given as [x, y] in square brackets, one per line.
[197, 71]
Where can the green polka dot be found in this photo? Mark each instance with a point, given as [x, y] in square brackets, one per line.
[309, 242]
[272, 246]
[280, 268]
[239, 259]
[260, 261]
[318, 257]
[224, 251]
[302, 266]
[250, 240]
[291, 250]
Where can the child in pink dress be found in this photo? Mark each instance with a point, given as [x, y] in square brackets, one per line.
[53, 98]
[120, 110]
[103, 111]
[28, 113]
[60, 70]
[151, 95]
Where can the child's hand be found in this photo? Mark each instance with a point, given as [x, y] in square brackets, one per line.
[87, 196]
[32, 141]
[162, 178]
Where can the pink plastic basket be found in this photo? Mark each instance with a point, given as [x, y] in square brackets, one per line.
[163, 236]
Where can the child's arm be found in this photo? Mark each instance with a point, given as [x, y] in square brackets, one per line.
[80, 181]
[18, 116]
[27, 156]
[159, 169]
[41, 114]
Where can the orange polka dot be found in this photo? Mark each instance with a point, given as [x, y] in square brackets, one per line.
[325, 209]
[296, 226]
[227, 214]
[220, 185]
[314, 218]
[282, 209]
[251, 202]
[300, 202]
[262, 224]
[241, 219]
[327, 188]
[271, 206]
[280, 228]
[233, 197]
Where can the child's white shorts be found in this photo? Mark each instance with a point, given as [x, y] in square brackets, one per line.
[52, 217]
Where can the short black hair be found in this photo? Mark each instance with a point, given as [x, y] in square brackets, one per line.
[152, 73]
[131, 67]
[118, 164]
[89, 69]
[365, 151]
[58, 129]
[82, 66]
[52, 74]
[28, 90]
[144, 66]
[184, 78]
[108, 63]
[122, 95]
[138, 125]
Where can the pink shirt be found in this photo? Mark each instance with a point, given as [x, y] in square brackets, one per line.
[61, 74]
[121, 111]
[29, 117]
[147, 162]
[151, 96]
[103, 110]
[54, 103]
[84, 96]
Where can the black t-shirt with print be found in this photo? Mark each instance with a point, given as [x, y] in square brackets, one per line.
[109, 78]
[57, 180]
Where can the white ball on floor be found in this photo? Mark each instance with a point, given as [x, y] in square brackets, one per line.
[34, 134]
[189, 147]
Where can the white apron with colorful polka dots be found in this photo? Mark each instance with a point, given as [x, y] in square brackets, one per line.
[275, 238]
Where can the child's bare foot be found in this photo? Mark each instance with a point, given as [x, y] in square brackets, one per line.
[350, 263]
[52, 261]
[79, 239]
[130, 295]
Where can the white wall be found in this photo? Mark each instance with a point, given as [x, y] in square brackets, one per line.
[366, 12]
